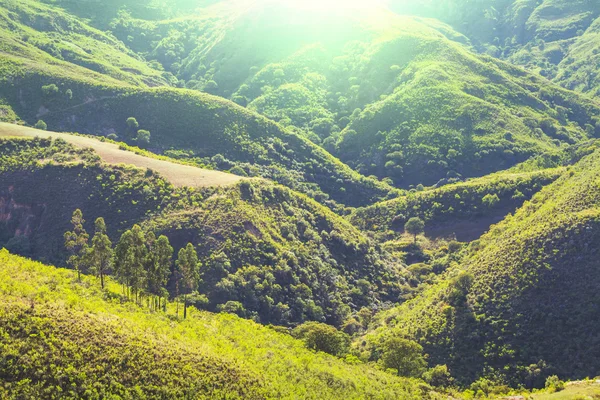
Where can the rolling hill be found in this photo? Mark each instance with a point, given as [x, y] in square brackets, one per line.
[178, 175]
[392, 96]
[280, 255]
[64, 338]
[558, 39]
[521, 299]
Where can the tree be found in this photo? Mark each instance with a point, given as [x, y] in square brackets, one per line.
[159, 266]
[322, 337]
[140, 252]
[132, 123]
[143, 137]
[403, 355]
[124, 258]
[438, 376]
[76, 243]
[101, 253]
[415, 226]
[187, 273]
[41, 125]
[130, 259]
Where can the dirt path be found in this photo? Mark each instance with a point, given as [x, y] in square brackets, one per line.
[179, 175]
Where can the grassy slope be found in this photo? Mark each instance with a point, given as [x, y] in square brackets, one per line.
[556, 38]
[177, 174]
[38, 36]
[439, 107]
[313, 264]
[117, 348]
[532, 294]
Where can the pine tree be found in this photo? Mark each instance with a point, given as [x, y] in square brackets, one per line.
[187, 272]
[101, 253]
[76, 243]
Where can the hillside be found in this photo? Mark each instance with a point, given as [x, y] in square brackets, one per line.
[37, 36]
[205, 129]
[177, 174]
[63, 338]
[522, 297]
[393, 96]
[281, 256]
[558, 39]
[464, 210]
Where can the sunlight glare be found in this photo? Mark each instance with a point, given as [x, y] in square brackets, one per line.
[330, 5]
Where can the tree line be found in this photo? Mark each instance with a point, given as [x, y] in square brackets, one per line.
[140, 262]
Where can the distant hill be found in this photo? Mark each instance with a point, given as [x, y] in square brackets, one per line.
[558, 39]
[393, 96]
[70, 94]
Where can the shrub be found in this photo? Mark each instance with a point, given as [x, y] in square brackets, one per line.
[438, 376]
[322, 337]
[143, 137]
[554, 384]
[403, 355]
[50, 90]
[41, 125]
[490, 200]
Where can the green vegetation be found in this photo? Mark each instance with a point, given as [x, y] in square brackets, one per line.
[65, 338]
[410, 191]
[460, 209]
[280, 255]
[395, 97]
[515, 309]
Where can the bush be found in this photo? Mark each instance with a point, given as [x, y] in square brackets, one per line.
[554, 384]
[438, 376]
[490, 200]
[143, 137]
[322, 337]
[403, 355]
[50, 90]
[41, 125]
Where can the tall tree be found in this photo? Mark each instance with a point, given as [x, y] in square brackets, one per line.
[76, 243]
[140, 253]
[187, 272]
[101, 252]
[124, 258]
[159, 265]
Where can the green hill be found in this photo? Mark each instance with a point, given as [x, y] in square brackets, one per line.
[393, 96]
[558, 39]
[61, 338]
[279, 254]
[522, 298]
[37, 36]
[97, 94]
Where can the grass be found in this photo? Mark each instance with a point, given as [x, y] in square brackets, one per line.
[46, 314]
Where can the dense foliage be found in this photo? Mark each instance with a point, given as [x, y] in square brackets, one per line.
[280, 256]
[518, 308]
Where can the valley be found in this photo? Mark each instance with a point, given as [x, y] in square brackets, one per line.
[284, 199]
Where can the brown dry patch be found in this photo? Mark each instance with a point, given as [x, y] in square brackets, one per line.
[179, 175]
